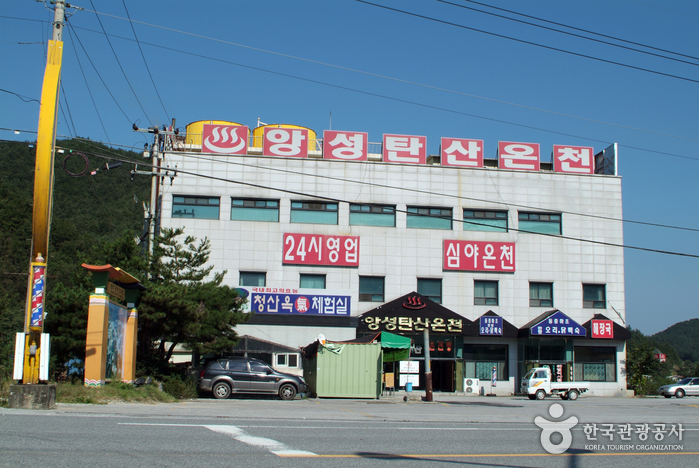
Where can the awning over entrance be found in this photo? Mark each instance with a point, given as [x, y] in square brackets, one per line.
[491, 324]
[596, 328]
[553, 323]
[412, 313]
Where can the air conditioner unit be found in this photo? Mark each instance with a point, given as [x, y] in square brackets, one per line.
[471, 386]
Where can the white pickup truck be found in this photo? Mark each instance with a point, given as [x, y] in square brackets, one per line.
[537, 385]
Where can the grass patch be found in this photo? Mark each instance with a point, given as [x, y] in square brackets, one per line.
[115, 392]
[5, 391]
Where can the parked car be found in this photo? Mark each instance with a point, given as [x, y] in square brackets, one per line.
[225, 376]
[687, 386]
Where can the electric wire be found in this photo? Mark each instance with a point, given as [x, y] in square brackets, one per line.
[543, 46]
[339, 200]
[145, 62]
[99, 20]
[436, 88]
[23, 98]
[572, 34]
[87, 85]
[70, 114]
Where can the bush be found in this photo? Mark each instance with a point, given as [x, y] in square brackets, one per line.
[180, 387]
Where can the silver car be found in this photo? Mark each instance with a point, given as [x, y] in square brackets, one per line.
[687, 386]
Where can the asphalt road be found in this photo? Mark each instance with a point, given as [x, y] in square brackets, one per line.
[452, 431]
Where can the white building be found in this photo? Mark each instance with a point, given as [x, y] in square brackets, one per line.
[535, 247]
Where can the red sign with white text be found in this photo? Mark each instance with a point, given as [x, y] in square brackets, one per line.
[602, 329]
[575, 159]
[350, 146]
[462, 152]
[410, 149]
[315, 249]
[290, 142]
[518, 156]
[479, 256]
[224, 139]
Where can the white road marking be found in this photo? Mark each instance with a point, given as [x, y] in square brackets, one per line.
[270, 445]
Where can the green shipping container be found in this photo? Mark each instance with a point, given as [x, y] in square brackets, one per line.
[345, 370]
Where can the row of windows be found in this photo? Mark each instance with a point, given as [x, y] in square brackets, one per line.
[313, 212]
[371, 289]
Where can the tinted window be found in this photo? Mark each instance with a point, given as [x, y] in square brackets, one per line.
[240, 366]
[258, 367]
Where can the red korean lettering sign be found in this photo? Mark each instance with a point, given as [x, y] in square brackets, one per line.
[224, 139]
[479, 256]
[348, 146]
[518, 156]
[573, 159]
[462, 152]
[410, 149]
[602, 328]
[314, 249]
[289, 142]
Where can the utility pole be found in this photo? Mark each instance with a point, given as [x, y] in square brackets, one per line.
[32, 346]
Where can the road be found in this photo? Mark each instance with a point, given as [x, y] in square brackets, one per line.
[452, 431]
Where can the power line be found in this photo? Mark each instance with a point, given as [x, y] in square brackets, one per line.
[587, 31]
[145, 62]
[376, 75]
[23, 98]
[502, 36]
[120, 67]
[339, 200]
[87, 85]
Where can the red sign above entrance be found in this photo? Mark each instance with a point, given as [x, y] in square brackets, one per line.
[602, 329]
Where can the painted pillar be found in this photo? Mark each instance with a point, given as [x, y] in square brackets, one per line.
[129, 374]
[96, 340]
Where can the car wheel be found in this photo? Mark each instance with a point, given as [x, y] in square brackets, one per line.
[573, 395]
[287, 392]
[679, 393]
[221, 390]
[540, 394]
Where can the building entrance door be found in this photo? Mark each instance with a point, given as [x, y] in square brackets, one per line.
[443, 376]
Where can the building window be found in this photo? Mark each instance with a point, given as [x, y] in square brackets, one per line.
[595, 363]
[594, 296]
[195, 207]
[479, 361]
[430, 288]
[251, 278]
[540, 294]
[312, 281]
[371, 288]
[313, 212]
[479, 220]
[287, 360]
[485, 292]
[372, 215]
[251, 209]
[425, 217]
[541, 223]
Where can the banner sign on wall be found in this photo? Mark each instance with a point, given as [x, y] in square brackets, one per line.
[409, 149]
[315, 249]
[574, 159]
[518, 156]
[558, 324]
[602, 329]
[291, 142]
[350, 146]
[479, 256]
[462, 152]
[225, 139]
[266, 300]
[490, 326]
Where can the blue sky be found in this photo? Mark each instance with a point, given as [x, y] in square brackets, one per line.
[383, 71]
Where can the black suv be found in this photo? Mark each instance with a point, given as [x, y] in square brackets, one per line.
[224, 376]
